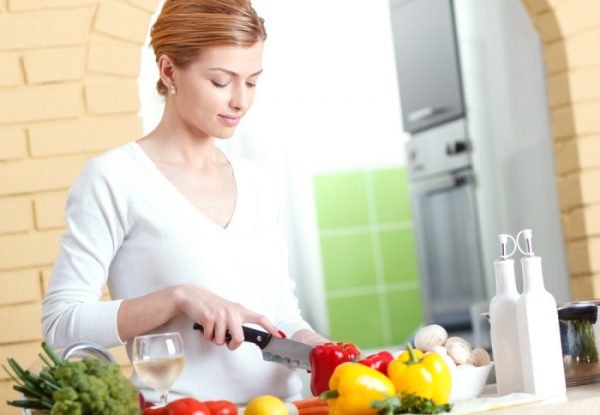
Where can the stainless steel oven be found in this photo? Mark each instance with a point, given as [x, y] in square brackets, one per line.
[442, 186]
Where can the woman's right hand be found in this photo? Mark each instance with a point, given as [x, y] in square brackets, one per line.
[218, 315]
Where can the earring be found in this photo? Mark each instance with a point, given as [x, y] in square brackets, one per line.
[173, 89]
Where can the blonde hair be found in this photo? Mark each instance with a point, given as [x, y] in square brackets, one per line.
[185, 27]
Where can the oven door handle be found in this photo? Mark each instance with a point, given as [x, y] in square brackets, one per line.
[444, 183]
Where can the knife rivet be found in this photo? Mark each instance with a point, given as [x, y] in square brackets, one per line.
[259, 338]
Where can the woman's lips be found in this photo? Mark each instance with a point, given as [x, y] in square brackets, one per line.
[229, 120]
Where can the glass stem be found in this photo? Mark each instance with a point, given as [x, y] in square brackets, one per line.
[163, 398]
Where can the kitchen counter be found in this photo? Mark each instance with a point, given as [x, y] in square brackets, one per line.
[580, 400]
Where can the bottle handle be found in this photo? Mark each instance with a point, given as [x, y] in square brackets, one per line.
[504, 237]
[527, 237]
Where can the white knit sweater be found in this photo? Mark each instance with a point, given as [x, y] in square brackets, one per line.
[127, 224]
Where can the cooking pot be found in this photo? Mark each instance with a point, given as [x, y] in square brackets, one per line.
[580, 340]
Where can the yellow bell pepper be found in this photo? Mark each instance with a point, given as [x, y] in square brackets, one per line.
[353, 386]
[427, 376]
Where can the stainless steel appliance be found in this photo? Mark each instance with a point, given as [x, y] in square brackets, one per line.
[442, 185]
[440, 171]
[427, 62]
[480, 160]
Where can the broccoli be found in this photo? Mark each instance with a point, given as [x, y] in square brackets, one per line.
[86, 387]
[93, 387]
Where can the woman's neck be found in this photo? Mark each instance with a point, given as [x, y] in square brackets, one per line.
[173, 142]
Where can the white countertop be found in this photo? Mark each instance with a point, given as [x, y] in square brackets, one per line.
[580, 400]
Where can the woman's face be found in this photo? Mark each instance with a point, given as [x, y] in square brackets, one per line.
[215, 91]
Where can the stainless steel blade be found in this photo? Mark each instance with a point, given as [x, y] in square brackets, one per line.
[288, 352]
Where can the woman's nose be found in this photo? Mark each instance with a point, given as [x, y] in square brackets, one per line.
[240, 98]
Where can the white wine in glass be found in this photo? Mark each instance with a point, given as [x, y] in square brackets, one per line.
[158, 359]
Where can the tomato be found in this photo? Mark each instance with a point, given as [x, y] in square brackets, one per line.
[266, 405]
[186, 406]
[221, 407]
[153, 411]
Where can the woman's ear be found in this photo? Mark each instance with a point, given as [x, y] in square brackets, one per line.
[166, 70]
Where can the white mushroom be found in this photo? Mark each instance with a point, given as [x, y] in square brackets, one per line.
[441, 350]
[459, 352]
[480, 357]
[465, 366]
[430, 336]
[453, 339]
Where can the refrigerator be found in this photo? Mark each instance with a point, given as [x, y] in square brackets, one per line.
[472, 88]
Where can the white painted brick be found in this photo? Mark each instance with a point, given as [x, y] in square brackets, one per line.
[55, 64]
[13, 143]
[15, 214]
[49, 210]
[83, 135]
[22, 5]
[114, 57]
[24, 324]
[582, 49]
[34, 175]
[112, 96]
[11, 73]
[149, 5]
[40, 103]
[572, 121]
[61, 27]
[122, 20]
[29, 250]
[22, 286]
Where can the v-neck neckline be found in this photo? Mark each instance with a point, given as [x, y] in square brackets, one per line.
[169, 184]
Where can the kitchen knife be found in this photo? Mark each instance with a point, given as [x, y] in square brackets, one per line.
[285, 351]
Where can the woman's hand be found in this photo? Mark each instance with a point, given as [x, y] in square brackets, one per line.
[309, 337]
[218, 315]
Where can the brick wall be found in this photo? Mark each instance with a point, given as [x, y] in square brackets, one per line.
[68, 91]
[570, 31]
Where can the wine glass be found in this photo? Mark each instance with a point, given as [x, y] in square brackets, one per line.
[158, 359]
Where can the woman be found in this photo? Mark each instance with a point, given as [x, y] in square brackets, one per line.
[181, 231]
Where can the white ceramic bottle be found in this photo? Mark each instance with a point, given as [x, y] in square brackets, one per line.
[503, 327]
[539, 332]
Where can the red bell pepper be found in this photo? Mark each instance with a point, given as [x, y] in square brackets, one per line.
[378, 361]
[324, 358]
[221, 407]
[186, 406]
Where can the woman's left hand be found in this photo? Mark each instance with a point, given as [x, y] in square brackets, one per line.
[309, 337]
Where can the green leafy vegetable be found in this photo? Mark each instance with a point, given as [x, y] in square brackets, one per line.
[583, 347]
[86, 387]
[408, 403]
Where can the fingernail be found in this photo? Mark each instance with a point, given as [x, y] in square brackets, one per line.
[282, 334]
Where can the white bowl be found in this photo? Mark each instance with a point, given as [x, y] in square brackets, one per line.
[468, 382]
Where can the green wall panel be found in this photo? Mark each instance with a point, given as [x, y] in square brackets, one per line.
[348, 261]
[391, 195]
[368, 256]
[341, 200]
[405, 313]
[356, 319]
[398, 255]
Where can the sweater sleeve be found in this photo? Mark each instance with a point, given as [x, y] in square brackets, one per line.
[96, 217]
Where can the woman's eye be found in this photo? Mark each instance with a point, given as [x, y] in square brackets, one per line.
[218, 85]
[250, 85]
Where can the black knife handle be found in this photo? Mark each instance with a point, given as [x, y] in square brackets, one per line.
[258, 337]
